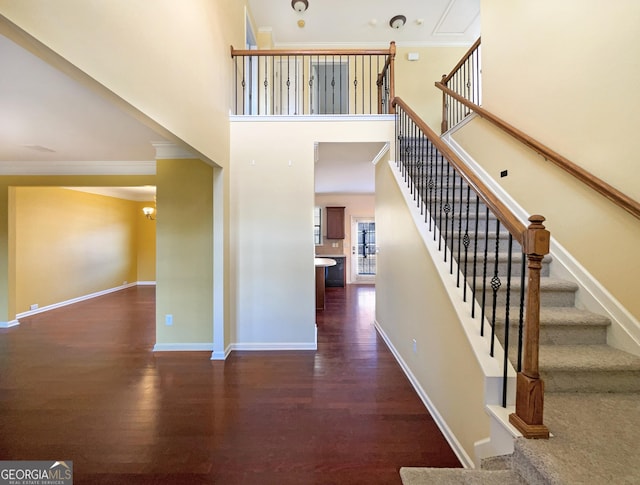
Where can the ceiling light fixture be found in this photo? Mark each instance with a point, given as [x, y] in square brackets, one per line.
[398, 21]
[299, 5]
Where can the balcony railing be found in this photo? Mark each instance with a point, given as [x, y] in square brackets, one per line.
[313, 82]
[465, 79]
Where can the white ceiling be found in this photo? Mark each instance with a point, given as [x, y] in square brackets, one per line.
[366, 22]
[51, 124]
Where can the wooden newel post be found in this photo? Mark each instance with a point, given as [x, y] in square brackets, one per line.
[392, 75]
[444, 126]
[530, 388]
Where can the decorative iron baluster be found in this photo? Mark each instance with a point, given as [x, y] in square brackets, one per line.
[484, 271]
[495, 286]
[505, 363]
[475, 259]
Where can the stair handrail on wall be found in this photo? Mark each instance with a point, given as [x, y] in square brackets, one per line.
[313, 81]
[603, 188]
[438, 180]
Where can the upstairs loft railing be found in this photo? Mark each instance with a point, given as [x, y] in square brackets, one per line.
[496, 259]
[465, 79]
[313, 82]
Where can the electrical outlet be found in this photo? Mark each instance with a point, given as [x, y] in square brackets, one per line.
[168, 319]
[34, 306]
[415, 346]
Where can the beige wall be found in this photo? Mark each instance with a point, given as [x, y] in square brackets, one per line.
[567, 74]
[184, 287]
[411, 303]
[554, 87]
[272, 186]
[165, 58]
[415, 79]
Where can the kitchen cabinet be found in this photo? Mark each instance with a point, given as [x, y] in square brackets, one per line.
[335, 275]
[335, 222]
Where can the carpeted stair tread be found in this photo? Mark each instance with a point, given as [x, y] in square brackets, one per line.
[563, 316]
[458, 476]
[594, 441]
[586, 357]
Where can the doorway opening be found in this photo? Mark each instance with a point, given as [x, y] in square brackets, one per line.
[363, 250]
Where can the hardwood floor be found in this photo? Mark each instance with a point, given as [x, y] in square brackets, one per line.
[81, 383]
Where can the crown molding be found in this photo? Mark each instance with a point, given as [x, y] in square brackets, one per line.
[167, 150]
[137, 167]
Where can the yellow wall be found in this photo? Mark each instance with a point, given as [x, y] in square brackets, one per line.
[146, 247]
[184, 286]
[412, 303]
[70, 244]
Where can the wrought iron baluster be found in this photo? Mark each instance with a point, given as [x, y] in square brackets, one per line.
[484, 271]
[507, 323]
[495, 286]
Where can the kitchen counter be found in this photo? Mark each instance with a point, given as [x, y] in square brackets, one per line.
[321, 264]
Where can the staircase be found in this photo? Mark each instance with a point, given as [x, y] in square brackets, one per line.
[579, 369]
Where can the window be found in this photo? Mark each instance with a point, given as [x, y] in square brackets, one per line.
[317, 225]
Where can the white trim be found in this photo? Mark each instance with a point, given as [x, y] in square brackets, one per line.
[171, 151]
[221, 355]
[73, 300]
[146, 283]
[90, 167]
[381, 153]
[183, 347]
[378, 45]
[12, 323]
[260, 346]
[457, 448]
[301, 118]
[624, 332]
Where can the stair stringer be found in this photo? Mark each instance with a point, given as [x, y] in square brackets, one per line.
[501, 440]
[624, 331]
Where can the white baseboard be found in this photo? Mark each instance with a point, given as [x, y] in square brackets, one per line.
[457, 448]
[146, 283]
[73, 300]
[221, 354]
[10, 324]
[273, 346]
[183, 347]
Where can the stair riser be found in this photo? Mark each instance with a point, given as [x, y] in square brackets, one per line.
[516, 268]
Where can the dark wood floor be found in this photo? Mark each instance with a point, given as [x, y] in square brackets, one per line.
[80, 383]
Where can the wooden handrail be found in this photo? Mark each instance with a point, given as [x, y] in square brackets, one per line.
[535, 241]
[603, 188]
[446, 77]
[312, 52]
[507, 218]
